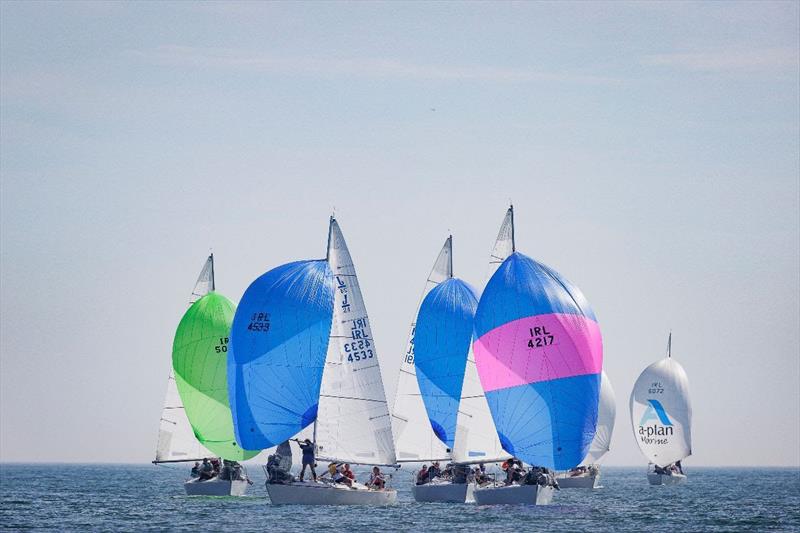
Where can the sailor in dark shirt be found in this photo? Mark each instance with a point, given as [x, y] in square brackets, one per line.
[308, 457]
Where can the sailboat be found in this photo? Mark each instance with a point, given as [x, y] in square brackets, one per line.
[587, 475]
[539, 354]
[196, 418]
[447, 383]
[302, 354]
[661, 415]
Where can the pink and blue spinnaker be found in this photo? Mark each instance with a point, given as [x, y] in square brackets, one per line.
[539, 355]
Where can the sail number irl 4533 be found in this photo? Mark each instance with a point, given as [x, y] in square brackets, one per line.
[360, 347]
[540, 337]
[259, 322]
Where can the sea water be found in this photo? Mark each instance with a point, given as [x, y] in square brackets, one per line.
[145, 497]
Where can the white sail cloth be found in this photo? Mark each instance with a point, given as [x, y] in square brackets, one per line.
[476, 435]
[504, 244]
[353, 422]
[415, 440]
[661, 413]
[606, 415]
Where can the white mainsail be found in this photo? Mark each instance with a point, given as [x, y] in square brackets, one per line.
[415, 438]
[353, 422]
[176, 440]
[606, 415]
[661, 413]
[476, 435]
[504, 244]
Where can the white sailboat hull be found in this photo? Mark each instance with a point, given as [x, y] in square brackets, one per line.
[443, 492]
[586, 481]
[514, 494]
[312, 493]
[215, 487]
[665, 479]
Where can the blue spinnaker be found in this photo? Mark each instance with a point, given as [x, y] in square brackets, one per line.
[279, 339]
[441, 345]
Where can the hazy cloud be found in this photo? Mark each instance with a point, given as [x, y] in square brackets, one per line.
[227, 58]
[729, 60]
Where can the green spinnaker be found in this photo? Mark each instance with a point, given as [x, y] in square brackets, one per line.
[199, 358]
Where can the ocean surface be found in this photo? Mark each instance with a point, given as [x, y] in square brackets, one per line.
[145, 497]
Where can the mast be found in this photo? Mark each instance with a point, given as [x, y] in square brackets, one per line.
[513, 242]
[450, 262]
[328, 249]
[328, 259]
[669, 345]
[211, 258]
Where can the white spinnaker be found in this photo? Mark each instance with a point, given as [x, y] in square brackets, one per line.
[353, 422]
[176, 440]
[504, 245]
[661, 413]
[412, 430]
[476, 436]
[606, 414]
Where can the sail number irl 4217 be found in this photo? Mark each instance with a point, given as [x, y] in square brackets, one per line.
[540, 337]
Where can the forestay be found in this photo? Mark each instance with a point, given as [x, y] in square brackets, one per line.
[415, 440]
[661, 413]
[176, 440]
[606, 415]
[199, 361]
[279, 340]
[353, 423]
[442, 342]
[539, 357]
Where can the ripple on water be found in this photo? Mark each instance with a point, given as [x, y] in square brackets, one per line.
[147, 498]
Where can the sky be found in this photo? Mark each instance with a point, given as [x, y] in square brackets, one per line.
[650, 150]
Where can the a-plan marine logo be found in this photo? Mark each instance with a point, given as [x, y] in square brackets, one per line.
[650, 434]
[655, 411]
